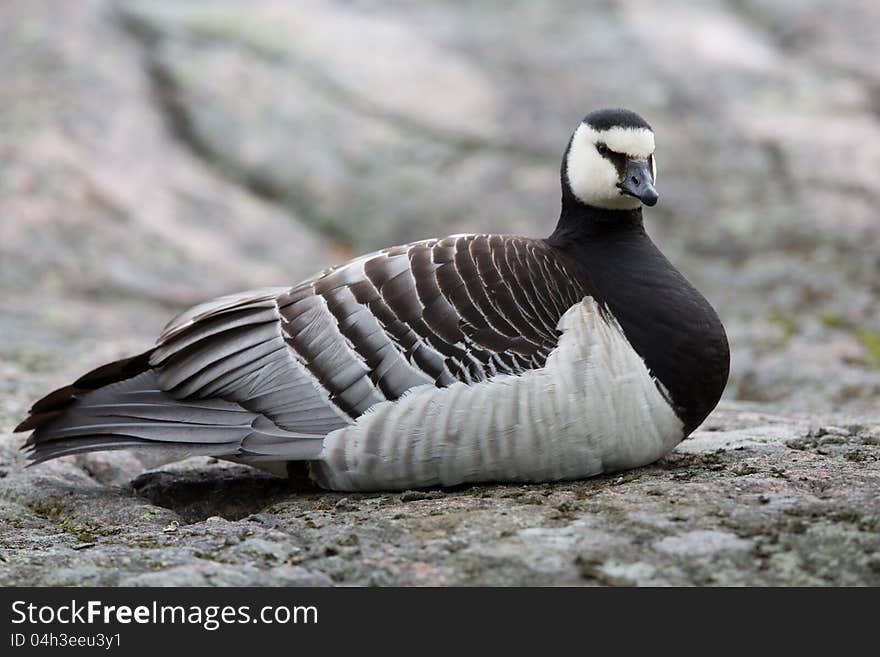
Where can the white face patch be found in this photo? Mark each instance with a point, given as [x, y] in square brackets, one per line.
[593, 179]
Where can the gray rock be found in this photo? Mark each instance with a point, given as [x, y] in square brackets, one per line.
[718, 510]
[701, 542]
[211, 574]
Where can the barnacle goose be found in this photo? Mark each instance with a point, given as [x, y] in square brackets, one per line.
[469, 358]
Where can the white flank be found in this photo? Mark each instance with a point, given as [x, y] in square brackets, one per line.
[593, 408]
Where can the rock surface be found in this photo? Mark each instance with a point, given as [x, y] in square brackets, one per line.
[203, 149]
[753, 498]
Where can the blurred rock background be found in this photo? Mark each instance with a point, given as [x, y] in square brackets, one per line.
[154, 153]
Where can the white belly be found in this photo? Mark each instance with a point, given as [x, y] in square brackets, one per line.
[592, 408]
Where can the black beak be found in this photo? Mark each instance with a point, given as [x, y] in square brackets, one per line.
[638, 182]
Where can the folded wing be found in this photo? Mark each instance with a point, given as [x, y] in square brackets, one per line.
[266, 374]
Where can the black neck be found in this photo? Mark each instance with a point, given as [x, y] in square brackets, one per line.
[579, 222]
[666, 320]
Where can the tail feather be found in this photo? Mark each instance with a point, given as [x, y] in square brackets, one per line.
[104, 411]
[50, 406]
[55, 449]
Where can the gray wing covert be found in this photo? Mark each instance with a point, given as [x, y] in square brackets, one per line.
[434, 312]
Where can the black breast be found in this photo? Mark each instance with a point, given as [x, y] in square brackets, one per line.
[666, 320]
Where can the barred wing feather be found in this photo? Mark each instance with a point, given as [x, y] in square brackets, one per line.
[266, 374]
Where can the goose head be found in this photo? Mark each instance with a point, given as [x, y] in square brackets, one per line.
[610, 163]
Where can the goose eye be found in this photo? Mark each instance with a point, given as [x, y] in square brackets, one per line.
[602, 148]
